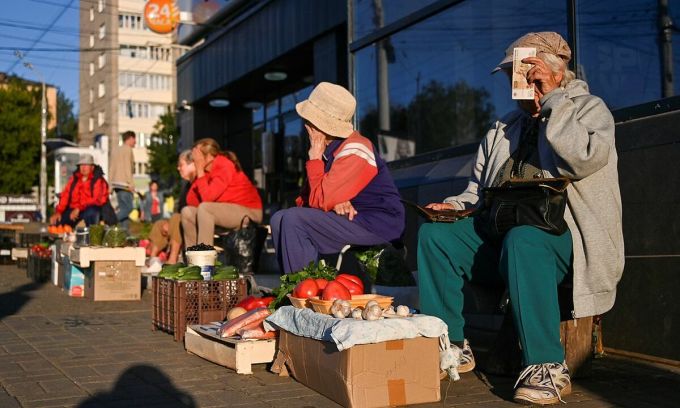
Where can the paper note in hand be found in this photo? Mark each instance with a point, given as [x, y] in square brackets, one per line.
[520, 88]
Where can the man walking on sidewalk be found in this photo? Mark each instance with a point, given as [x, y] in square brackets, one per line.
[121, 168]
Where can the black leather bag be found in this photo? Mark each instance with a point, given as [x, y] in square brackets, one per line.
[536, 202]
[242, 247]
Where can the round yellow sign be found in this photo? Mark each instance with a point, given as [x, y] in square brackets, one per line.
[161, 16]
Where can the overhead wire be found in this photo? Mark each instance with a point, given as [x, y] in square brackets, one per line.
[42, 34]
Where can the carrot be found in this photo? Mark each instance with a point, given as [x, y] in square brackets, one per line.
[253, 317]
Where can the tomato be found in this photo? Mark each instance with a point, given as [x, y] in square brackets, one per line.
[353, 288]
[306, 289]
[247, 303]
[321, 283]
[336, 290]
[352, 278]
[254, 302]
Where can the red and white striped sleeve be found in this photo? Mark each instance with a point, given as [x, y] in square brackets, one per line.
[353, 168]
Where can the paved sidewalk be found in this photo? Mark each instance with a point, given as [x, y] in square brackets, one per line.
[59, 351]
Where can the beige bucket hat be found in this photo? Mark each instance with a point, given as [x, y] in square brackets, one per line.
[546, 41]
[330, 108]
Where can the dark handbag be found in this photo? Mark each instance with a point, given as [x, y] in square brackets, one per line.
[242, 247]
[536, 202]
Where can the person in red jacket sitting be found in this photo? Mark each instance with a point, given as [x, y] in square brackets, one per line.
[84, 195]
[220, 195]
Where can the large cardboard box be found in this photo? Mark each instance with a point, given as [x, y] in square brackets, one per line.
[391, 373]
[74, 280]
[239, 355]
[113, 280]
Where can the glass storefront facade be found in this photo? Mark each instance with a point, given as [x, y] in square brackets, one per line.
[423, 82]
[278, 128]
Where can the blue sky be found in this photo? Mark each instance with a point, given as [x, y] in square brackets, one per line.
[25, 24]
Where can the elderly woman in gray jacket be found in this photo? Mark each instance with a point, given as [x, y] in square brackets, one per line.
[563, 132]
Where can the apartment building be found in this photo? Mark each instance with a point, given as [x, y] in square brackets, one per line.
[127, 76]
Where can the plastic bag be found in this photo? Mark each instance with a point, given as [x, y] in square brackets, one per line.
[242, 247]
[115, 237]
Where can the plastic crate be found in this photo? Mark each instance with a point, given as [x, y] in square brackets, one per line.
[162, 317]
[38, 269]
[28, 239]
[178, 304]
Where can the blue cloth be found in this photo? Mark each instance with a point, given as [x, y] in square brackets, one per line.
[125, 206]
[300, 234]
[378, 205]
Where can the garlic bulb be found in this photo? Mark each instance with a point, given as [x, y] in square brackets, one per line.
[403, 310]
[356, 314]
[346, 307]
[372, 312]
[371, 303]
[389, 310]
[341, 308]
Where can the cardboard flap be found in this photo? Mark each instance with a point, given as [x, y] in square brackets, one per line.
[280, 364]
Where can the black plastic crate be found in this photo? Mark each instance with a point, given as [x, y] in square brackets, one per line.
[39, 269]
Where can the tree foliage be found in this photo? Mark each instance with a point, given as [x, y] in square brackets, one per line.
[438, 116]
[67, 121]
[163, 152]
[19, 137]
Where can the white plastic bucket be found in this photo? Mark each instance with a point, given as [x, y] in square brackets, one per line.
[204, 259]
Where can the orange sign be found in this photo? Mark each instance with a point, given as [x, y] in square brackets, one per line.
[161, 16]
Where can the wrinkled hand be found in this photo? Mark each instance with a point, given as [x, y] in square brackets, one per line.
[345, 208]
[317, 141]
[54, 218]
[440, 206]
[542, 76]
[74, 214]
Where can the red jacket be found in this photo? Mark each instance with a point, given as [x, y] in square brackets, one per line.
[84, 193]
[223, 184]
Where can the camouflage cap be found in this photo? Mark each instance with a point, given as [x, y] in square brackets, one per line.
[546, 41]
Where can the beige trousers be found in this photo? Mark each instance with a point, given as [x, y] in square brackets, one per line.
[199, 222]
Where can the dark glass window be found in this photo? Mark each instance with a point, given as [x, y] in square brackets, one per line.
[674, 11]
[618, 52]
[439, 91]
[369, 13]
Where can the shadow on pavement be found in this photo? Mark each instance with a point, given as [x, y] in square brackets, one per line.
[141, 386]
[12, 302]
[612, 381]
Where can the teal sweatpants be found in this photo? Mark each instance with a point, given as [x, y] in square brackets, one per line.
[531, 262]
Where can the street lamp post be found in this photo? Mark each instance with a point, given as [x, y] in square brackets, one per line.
[43, 138]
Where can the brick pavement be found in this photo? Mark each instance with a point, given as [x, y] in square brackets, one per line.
[59, 351]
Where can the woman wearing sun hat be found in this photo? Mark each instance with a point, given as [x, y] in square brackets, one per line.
[349, 196]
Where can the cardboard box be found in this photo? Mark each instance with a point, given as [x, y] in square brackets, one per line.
[74, 280]
[84, 255]
[239, 355]
[113, 280]
[391, 373]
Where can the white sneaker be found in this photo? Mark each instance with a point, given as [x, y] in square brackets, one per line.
[543, 384]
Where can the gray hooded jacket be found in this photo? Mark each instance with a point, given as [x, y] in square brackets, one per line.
[576, 140]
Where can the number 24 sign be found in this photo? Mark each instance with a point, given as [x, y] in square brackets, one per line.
[161, 16]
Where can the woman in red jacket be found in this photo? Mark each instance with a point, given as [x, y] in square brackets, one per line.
[221, 194]
[84, 195]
